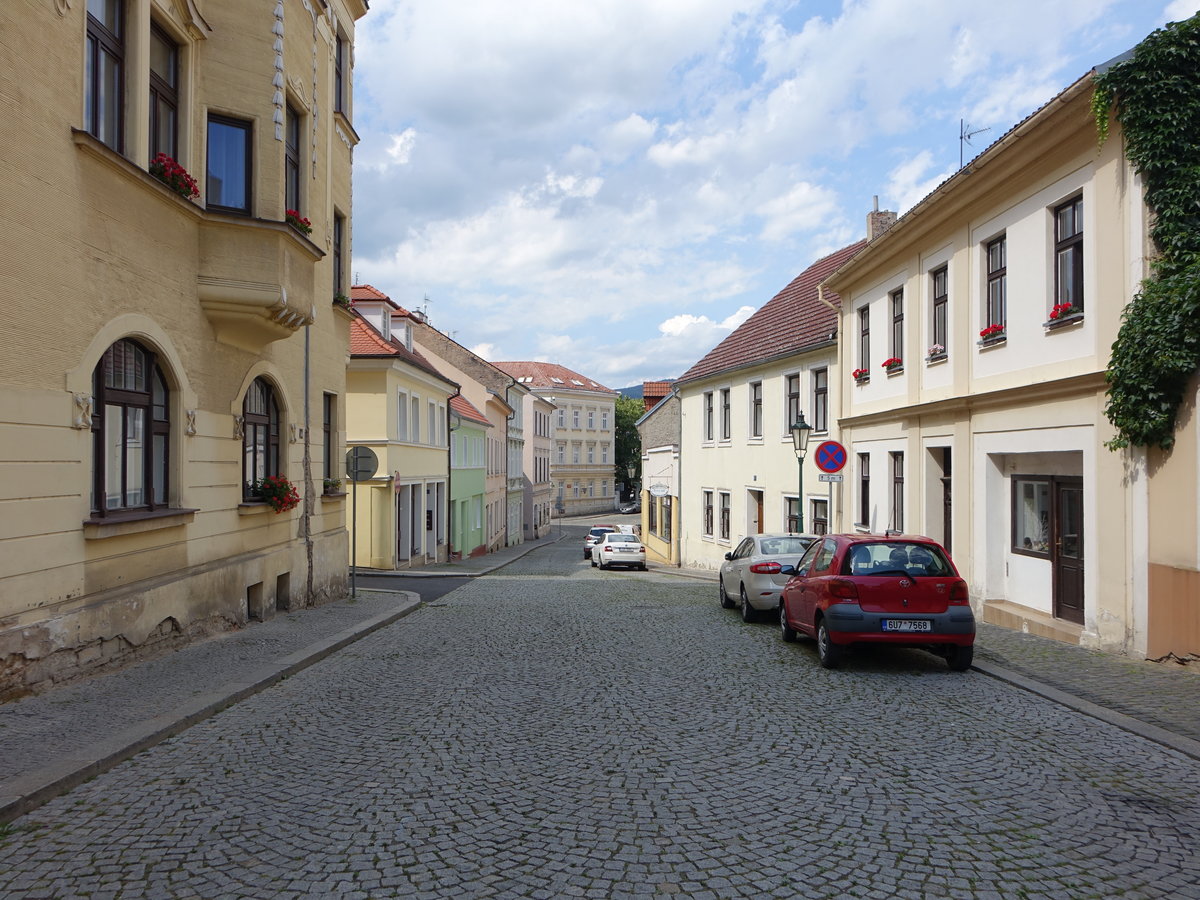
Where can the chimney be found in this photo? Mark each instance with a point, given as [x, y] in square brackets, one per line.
[879, 221]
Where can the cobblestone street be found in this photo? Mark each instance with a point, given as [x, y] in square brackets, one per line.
[555, 731]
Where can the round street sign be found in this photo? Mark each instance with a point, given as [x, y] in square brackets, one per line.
[830, 456]
[361, 463]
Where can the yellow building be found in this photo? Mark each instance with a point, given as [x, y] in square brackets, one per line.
[398, 406]
[169, 336]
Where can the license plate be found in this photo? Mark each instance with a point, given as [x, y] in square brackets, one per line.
[906, 625]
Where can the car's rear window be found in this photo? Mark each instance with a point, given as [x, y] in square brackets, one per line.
[889, 557]
[622, 539]
[599, 531]
[786, 546]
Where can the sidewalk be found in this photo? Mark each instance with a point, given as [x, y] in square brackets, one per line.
[474, 566]
[52, 742]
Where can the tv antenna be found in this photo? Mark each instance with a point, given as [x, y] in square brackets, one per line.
[964, 137]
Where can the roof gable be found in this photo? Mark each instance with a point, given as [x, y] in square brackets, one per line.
[794, 319]
[534, 374]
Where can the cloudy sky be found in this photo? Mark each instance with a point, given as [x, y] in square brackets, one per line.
[614, 185]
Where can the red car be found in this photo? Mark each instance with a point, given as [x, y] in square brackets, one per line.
[860, 589]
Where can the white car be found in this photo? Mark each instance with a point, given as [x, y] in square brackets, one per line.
[752, 572]
[617, 549]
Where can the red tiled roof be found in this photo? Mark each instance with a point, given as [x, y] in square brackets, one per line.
[551, 375]
[365, 341]
[792, 320]
[467, 410]
[370, 292]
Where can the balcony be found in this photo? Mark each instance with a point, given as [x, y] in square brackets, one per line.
[256, 279]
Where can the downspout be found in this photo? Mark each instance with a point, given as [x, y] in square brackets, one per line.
[306, 516]
[450, 476]
[512, 381]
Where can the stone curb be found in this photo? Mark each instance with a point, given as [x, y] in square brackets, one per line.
[31, 790]
[429, 572]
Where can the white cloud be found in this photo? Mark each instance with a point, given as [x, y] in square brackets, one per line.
[1180, 10]
[910, 182]
[402, 145]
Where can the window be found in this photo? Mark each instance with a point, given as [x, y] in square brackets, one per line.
[260, 435]
[756, 409]
[604, 420]
[708, 514]
[864, 338]
[591, 420]
[291, 159]
[164, 94]
[414, 420]
[864, 489]
[897, 304]
[708, 415]
[724, 519]
[575, 454]
[1031, 516]
[793, 514]
[574, 418]
[431, 434]
[793, 401]
[591, 454]
[820, 404]
[997, 283]
[1068, 254]
[441, 429]
[131, 430]
[664, 528]
[652, 516]
[604, 453]
[938, 330]
[897, 492]
[229, 145]
[328, 434]
[562, 418]
[341, 77]
[104, 103]
[819, 522]
[726, 420]
[562, 453]
[339, 254]
[402, 417]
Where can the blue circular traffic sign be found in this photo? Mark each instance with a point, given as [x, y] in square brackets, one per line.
[830, 456]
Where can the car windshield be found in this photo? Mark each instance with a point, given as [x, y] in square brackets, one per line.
[892, 557]
[785, 546]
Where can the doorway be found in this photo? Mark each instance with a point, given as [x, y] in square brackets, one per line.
[1067, 550]
[754, 512]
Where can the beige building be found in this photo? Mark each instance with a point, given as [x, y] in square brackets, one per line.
[398, 406]
[537, 487]
[200, 350]
[584, 428]
[975, 336]
[738, 469]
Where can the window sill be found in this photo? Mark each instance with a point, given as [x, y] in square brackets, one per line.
[1064, 322]
[934, 360]
[253, 508]
[989, 342]
[136, 522]
[866, 379]
[894, 371]
[334, 496]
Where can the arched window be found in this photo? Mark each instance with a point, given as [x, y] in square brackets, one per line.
[131, 430]
[260, 446]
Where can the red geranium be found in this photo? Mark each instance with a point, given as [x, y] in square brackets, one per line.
[174, 176]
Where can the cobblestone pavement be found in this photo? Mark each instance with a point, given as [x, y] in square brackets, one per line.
[553, 731]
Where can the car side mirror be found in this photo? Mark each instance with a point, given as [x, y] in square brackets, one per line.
[729, 555]
[787, 570]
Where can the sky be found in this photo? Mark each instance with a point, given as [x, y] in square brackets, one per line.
[615, 185]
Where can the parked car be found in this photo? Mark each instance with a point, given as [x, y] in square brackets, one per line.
[619, 549]
[857, 590]
[593, 535]
[631, 506]
[753, 571]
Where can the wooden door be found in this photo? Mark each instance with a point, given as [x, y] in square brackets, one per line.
[1067, 550]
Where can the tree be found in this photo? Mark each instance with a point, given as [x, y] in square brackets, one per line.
[628, 449]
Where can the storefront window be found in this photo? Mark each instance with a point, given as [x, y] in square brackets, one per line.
[1031, 516]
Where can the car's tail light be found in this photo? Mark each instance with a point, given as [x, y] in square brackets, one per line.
[959, 595]
[841, 589]
[766, 568]
[608, 548]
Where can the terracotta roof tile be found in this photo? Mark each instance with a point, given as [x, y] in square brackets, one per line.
[365, 341]
[792, 320]
[551, 375]
[372, 293]
[467, 410]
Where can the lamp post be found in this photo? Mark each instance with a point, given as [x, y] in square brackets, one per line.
[631, 469]
[800, 431]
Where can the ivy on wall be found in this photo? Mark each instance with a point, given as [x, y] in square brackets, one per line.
[1155, 95]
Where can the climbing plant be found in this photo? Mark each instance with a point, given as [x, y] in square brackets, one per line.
[1155, 95]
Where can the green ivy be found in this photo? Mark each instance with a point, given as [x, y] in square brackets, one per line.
[1155, 95]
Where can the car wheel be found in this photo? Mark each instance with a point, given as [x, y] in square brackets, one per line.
[959, 658]
[642, 566]
[786, 631]
[829, 653]
[726, 600]
[601, 565]
[593, 564]
[749, 613]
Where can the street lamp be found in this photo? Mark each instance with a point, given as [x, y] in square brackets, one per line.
[800, 431]
[632, 470]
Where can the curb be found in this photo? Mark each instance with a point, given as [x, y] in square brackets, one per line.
[528, 547]
[1177, 742]
[31, 790]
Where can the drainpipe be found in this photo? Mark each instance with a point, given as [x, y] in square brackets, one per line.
[450, 476]
[507, 399]
[306, 516]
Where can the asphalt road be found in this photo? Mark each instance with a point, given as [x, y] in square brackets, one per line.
[555, 731]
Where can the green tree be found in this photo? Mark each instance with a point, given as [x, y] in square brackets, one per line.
[628, 450]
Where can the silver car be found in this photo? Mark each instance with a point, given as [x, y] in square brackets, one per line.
[752, 572]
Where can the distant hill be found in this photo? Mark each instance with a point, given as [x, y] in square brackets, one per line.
[635, 392]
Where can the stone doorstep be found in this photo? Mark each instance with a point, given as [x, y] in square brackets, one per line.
[1021, 618]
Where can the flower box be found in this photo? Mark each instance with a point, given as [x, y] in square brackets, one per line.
[893, 364]
[174, 176]
[297, 221]
[861, 375]
[277, 492]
